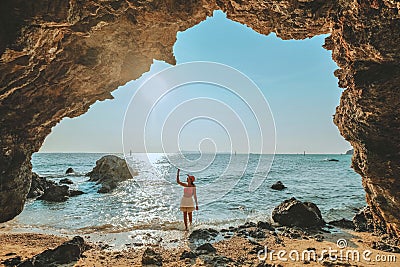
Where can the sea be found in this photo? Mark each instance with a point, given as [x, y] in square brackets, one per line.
[231, 189]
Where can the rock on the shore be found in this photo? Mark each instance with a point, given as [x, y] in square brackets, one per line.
[383, 246]
[206, 248]
[38, 186]
[278, 186]
[69, 171]
[343, 223]
[265, 225]
[68, 252]
[151, 257]
[109, 171]
[11, 262]
[363, 220]
[187, 255]
[293, 212]
[203, 234]
[55, 193]
[258, 233]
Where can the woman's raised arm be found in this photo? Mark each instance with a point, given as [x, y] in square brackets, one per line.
[177, 178]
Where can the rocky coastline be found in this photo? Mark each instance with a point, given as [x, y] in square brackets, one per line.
[248, 244]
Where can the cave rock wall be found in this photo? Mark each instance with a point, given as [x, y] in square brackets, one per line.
[57, 57]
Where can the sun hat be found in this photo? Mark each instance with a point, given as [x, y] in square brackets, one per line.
[191, 177]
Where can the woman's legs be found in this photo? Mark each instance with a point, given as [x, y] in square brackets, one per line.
[190, 217]
[185, 219]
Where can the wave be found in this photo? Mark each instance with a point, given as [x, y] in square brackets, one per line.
[166, 226]
[56, 176]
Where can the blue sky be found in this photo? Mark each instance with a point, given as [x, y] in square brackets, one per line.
[295, 77]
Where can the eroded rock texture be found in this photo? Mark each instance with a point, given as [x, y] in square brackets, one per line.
[59, 56]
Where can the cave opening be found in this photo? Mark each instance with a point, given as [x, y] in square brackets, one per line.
[297, 80]
[295, 75]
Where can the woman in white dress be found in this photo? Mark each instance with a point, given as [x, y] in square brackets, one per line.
[189, 193]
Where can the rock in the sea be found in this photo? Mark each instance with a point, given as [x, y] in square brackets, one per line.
[107, 186]
[69, 171]
[206, 248]
[55, 193]
[66, 253]
[109, 171]
[278, 186]
[73, 193]
[335, 160]
[38, 186]
[150, 257]
[66, 181]
[343, 223]
[293, 212]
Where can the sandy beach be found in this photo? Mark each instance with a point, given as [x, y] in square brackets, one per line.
[234, 249]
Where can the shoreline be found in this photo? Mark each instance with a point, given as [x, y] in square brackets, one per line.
[237, 250]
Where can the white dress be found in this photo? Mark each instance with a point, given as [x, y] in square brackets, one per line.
[187, 203]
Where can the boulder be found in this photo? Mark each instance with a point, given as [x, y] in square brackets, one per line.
[66, 181]
[278, 186]
[109, 171]
[67, 253]
[69, 171]
[293, 212]
[150, 257]
[55, 193]
[38, 186]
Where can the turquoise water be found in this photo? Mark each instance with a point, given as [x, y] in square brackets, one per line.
[150, 201]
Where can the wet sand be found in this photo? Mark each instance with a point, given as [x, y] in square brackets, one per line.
[233, 251]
